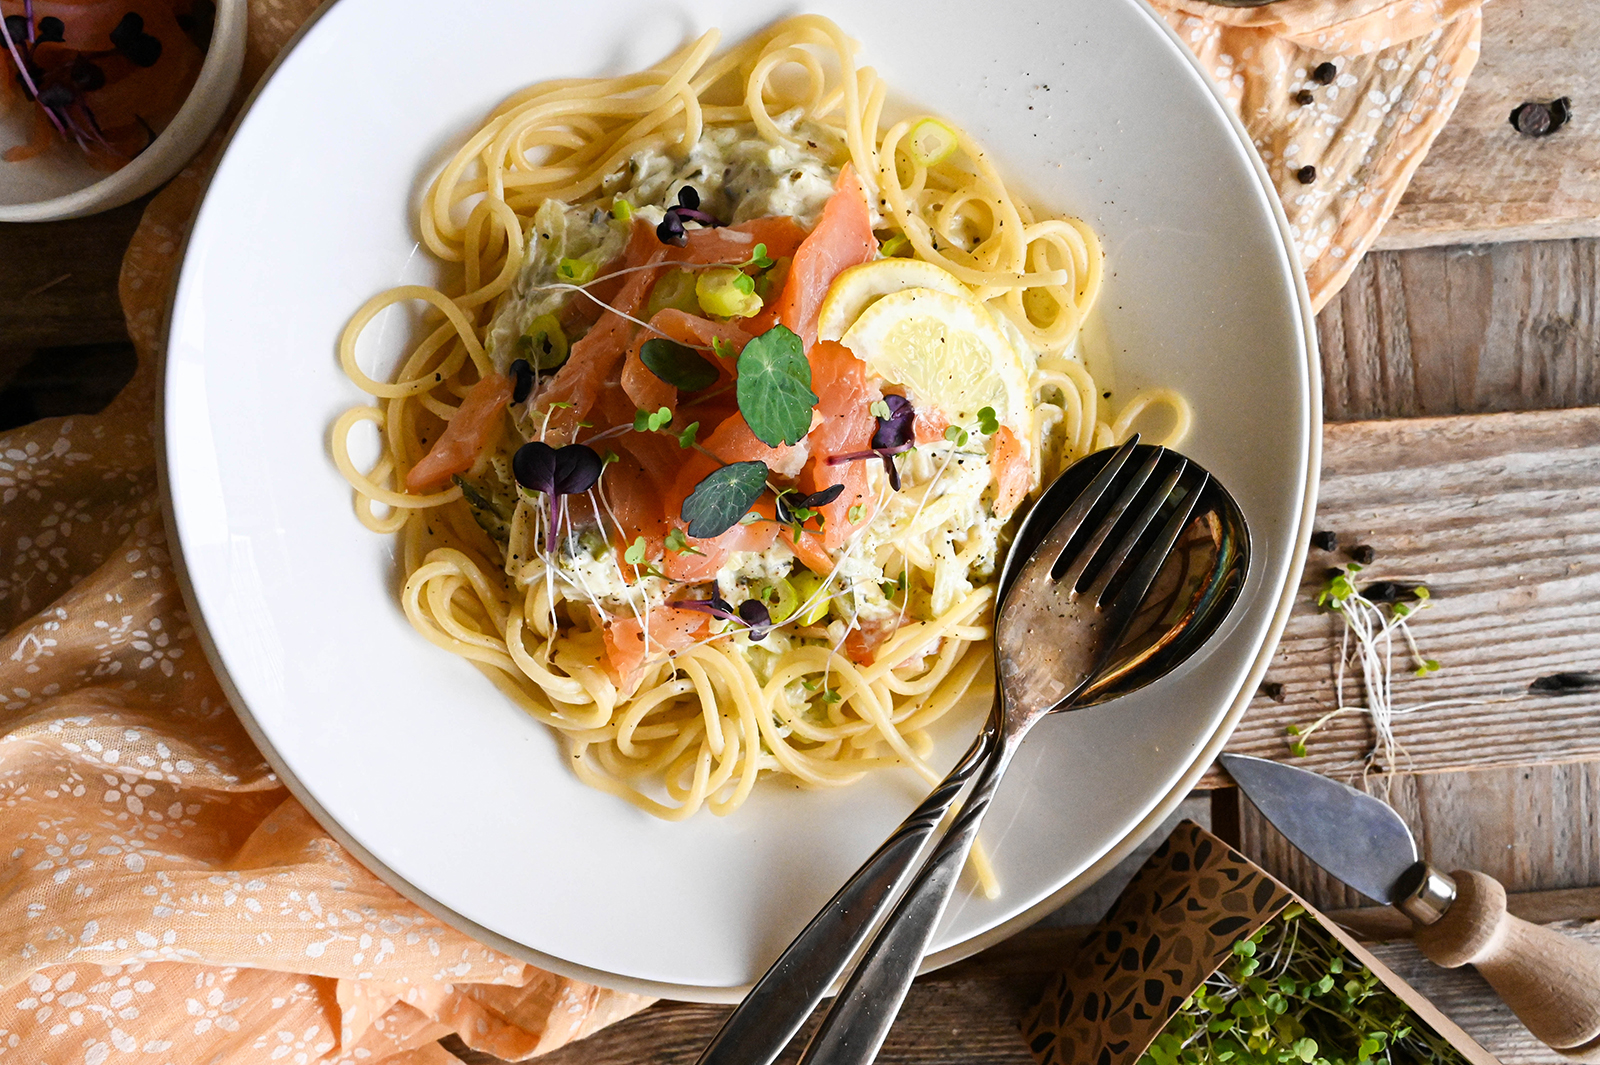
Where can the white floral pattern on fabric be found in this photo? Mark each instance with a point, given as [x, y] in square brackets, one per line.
[166, 901]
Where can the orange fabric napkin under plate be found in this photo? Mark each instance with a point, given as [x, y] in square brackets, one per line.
[165, 901]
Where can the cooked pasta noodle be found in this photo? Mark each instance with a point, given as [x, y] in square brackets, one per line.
[699, 727]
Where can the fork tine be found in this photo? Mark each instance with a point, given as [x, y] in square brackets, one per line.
[1130, 539]
[1072, 572]
[1144, 573]
[1072, 519]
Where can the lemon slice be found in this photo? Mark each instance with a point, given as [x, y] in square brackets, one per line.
[857, 288]
[947, 352]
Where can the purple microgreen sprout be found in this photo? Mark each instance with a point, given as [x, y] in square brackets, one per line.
[687, 209]
[558, 473]
[796, 509]
[895, 432]
[522, 378]
[751, 613]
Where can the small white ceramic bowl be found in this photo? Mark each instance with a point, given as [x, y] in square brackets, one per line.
[61, 184]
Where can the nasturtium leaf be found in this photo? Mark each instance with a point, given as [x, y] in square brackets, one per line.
[774, 387]
[677, 364]
[723, 497]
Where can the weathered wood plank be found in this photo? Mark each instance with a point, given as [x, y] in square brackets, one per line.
[1482, 180]
[1464, 330]
[1498, 515]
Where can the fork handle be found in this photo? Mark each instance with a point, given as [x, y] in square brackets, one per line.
[860, 1018]
[757, 1032]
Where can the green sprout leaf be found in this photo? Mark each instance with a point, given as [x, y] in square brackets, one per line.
[723, 349]
[758, 258]
[677, 364]
[646, 422]
[723, 497]
[956, 435]
[774, 387]
[679, 544]
[880, 410]
[686, 436]
[855, 514]
[634, 555]
[988, 422]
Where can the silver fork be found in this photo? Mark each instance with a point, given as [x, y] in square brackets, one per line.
[775, 1009]
[1055, 631]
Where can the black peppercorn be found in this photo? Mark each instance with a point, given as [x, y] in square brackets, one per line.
[1325, 540]
[1324, 73]
[1305, 97]
[1363, 553]
[1534, 119]
[1306, 174]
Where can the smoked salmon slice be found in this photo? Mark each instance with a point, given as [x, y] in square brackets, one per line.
[1013, 473]
[474, 426]
[843, 238]
[671, 629]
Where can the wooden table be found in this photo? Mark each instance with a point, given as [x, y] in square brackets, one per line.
[1482, 298]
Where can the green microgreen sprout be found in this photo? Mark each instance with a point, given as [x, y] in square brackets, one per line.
[679, 544]
[758, 259]
[646, 422]
[723, 349]
[687, 434]
[831, 696]
[856, 513]
[1290, 995]
[881, 410]
[1372, 615]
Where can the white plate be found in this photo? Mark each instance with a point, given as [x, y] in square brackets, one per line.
[408, 754]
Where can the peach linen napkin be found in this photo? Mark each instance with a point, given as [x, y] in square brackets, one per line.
[164, 900]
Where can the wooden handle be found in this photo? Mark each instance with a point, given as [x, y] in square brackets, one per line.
[1551, 981]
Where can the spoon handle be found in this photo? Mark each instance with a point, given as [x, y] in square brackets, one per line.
[860, 1018]
[757, 1032]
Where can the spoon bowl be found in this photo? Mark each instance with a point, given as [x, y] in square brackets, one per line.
[1194, 591]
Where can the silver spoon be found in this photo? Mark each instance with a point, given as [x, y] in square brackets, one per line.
[1203, 578]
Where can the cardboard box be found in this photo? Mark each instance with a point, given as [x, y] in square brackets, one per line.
[1171, 929]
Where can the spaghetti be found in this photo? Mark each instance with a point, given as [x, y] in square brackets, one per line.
[820, 636]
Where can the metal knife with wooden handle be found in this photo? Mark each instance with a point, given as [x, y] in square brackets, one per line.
[1551, 981]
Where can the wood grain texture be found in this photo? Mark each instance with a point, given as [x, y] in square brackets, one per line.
[1464, 330]
[1482, 180]
[1500, 516]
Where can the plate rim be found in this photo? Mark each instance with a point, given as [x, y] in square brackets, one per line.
[1202, 760]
